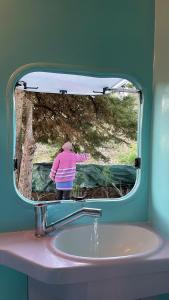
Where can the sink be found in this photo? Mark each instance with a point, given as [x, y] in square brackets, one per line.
[105, 242]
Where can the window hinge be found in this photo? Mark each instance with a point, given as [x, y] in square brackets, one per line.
[24, 85]
[137, 162]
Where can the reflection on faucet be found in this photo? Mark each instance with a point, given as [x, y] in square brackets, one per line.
[41, 226]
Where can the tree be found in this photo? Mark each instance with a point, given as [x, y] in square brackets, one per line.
[25, 144]
[89, 122]
[20, 97]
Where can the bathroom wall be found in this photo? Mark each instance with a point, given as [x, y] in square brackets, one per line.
[109, 38]
[159, 212]
[159, 204]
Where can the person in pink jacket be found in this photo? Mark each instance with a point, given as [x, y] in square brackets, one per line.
[63, 170]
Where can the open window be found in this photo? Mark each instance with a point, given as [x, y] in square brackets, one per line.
[100, 116]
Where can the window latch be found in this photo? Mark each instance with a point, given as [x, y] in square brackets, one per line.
[15, 164]
[137, 162]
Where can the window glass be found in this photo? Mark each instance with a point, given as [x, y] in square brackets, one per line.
[90, 124]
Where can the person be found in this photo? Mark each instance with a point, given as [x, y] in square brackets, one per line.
[63, 169]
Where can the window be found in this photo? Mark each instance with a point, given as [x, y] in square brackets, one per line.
[99, 116]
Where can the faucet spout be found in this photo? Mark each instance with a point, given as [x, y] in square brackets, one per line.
[42, 228]
[91, 212]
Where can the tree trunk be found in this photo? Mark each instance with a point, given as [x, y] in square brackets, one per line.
[28, 149]
[19, 100]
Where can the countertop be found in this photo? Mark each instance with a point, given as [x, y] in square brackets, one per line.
[35, 257]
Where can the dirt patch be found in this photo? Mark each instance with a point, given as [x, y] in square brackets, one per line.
[86, 193]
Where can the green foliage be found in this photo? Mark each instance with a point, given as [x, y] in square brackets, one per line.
[129, 157]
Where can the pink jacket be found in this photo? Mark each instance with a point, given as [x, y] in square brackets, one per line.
[64, 165]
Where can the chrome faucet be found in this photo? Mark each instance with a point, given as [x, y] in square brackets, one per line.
[41, 226]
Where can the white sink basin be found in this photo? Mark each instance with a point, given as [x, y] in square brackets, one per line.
[105, 242]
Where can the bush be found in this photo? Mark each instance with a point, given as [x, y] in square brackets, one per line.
[129, 157]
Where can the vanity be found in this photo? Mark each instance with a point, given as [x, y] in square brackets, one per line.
[56, 272]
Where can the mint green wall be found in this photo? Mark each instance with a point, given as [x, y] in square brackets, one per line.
[13, 285]
[162, 297]
[159, 205]
[112, 37]
[159, 212]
